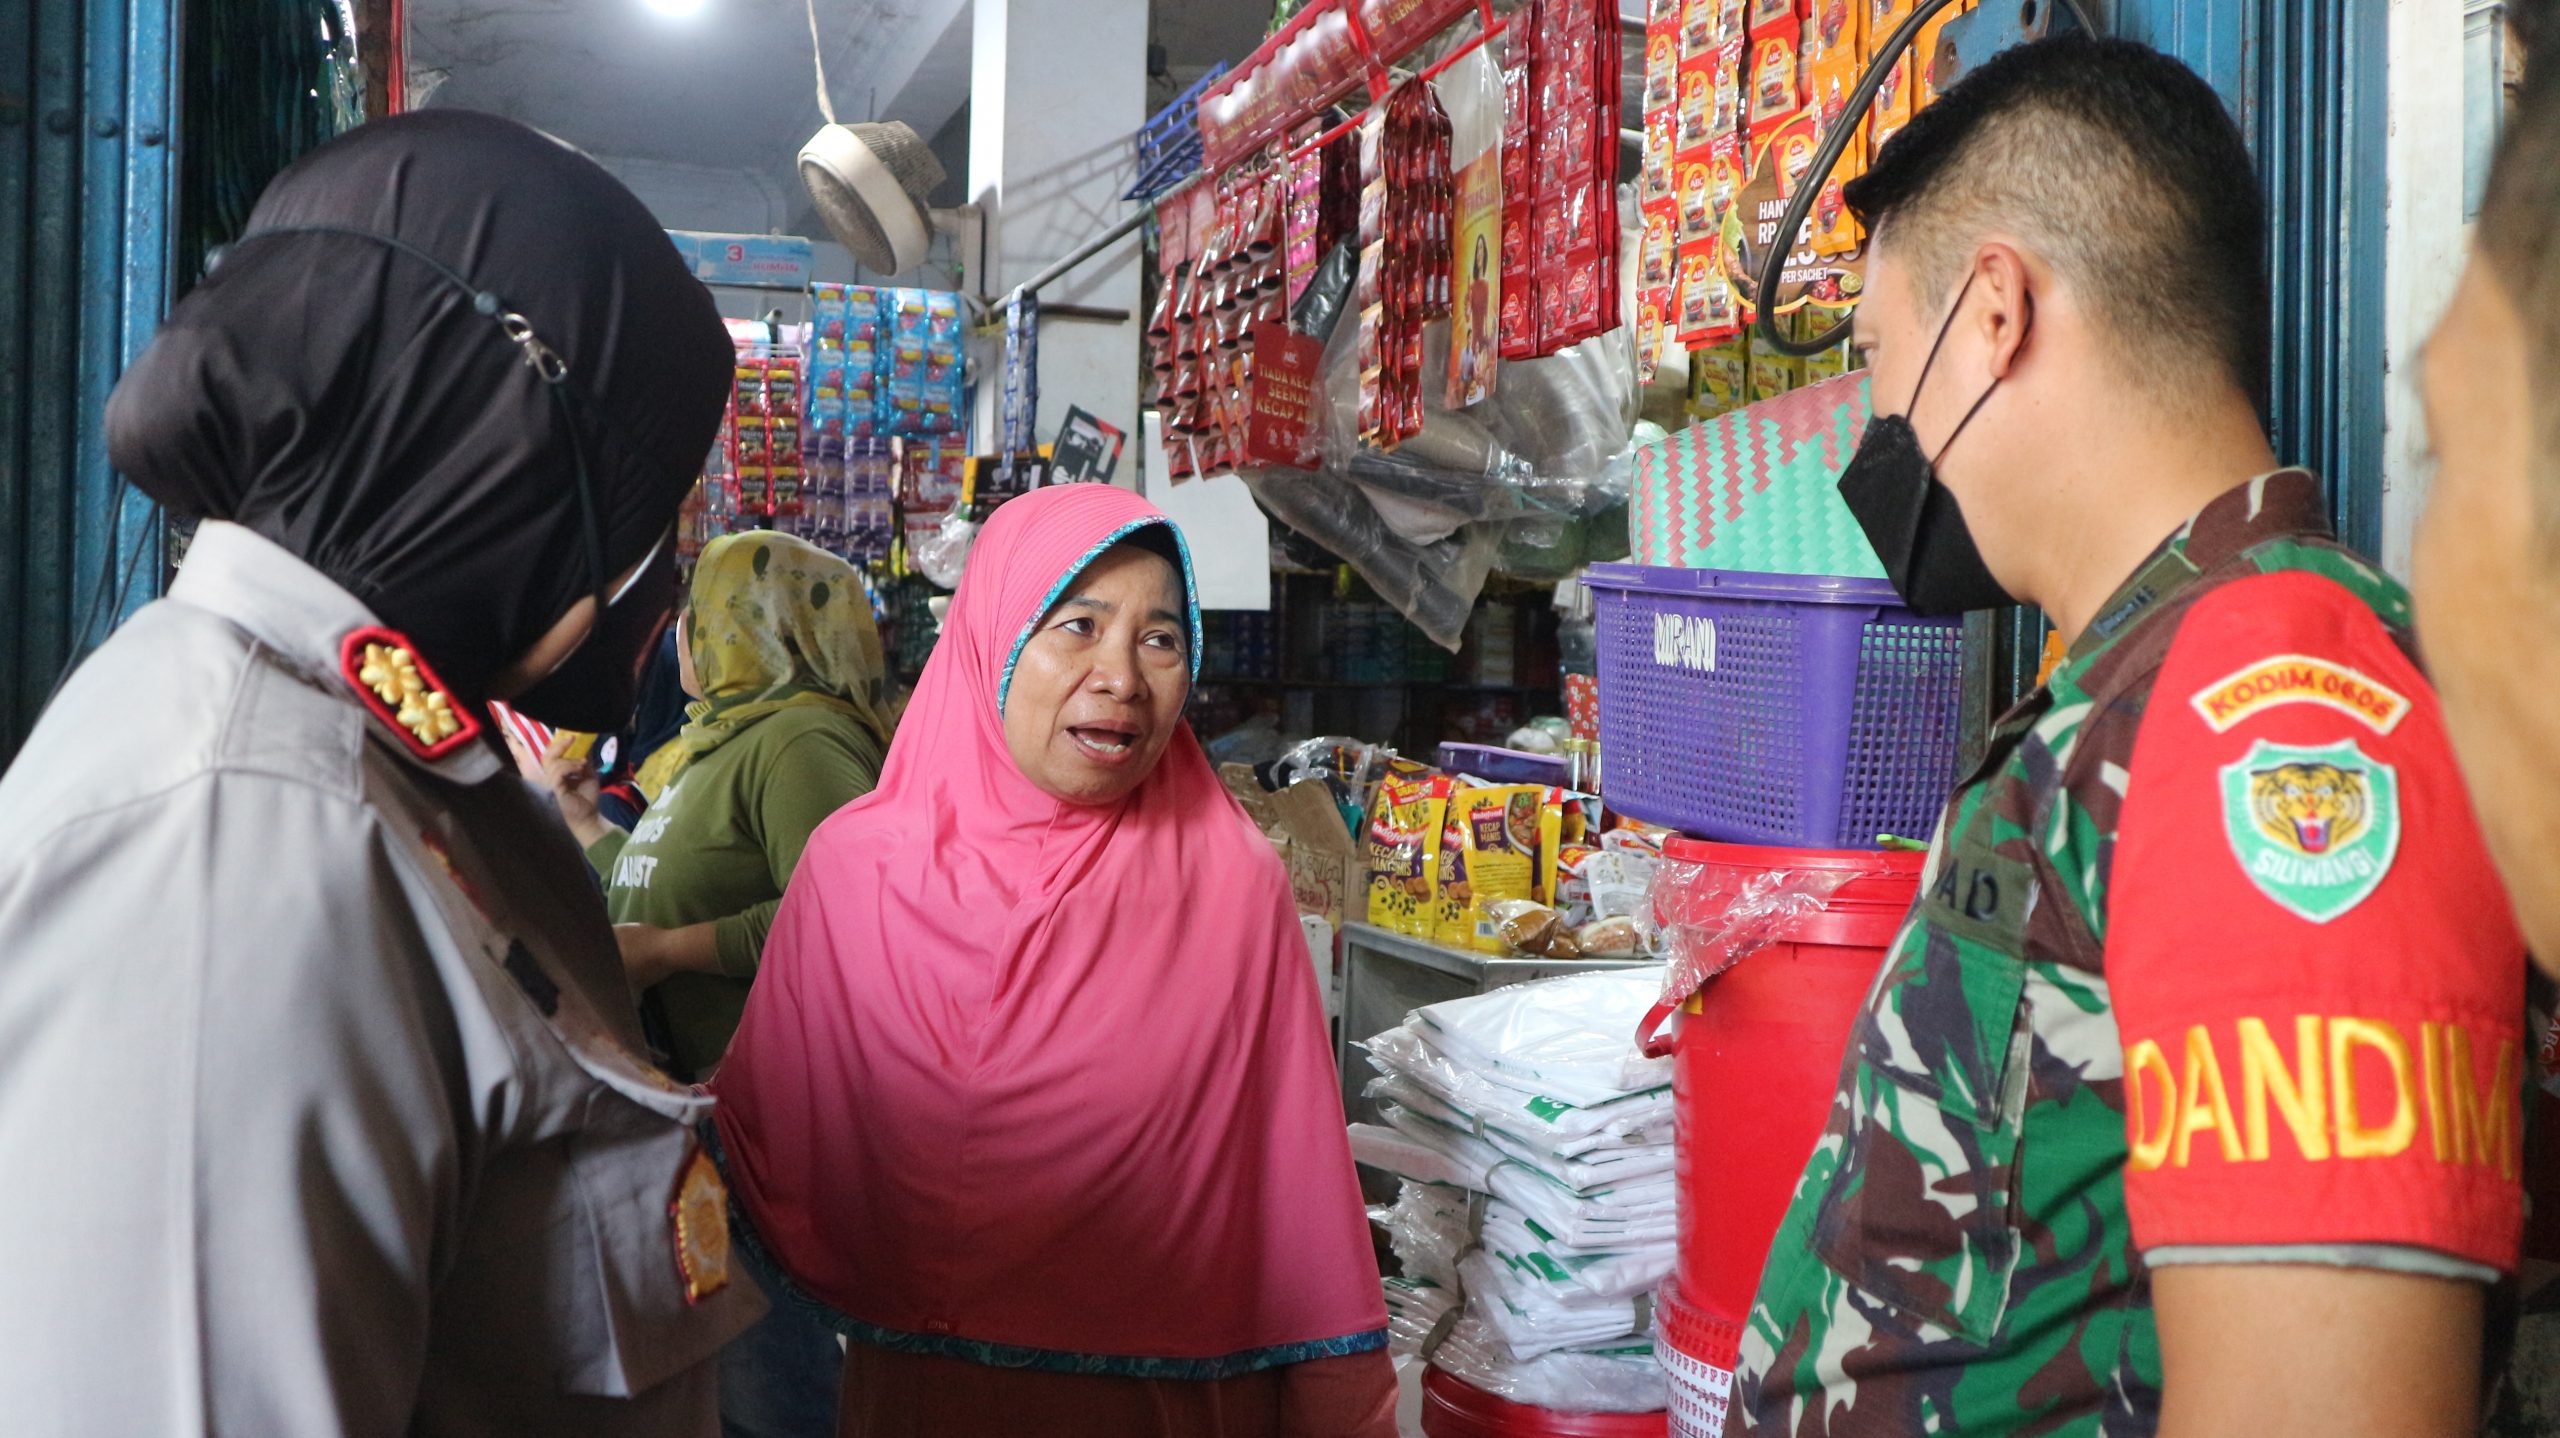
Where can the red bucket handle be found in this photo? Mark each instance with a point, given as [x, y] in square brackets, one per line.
[1654, 1040]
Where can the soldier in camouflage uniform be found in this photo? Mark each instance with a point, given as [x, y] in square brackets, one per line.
[2190, 1085]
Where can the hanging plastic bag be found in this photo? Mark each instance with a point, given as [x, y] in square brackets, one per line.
[1715, 916]
[943, 556]
[1471, 92]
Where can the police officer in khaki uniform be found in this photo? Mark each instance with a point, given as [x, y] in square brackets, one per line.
[323, 1105]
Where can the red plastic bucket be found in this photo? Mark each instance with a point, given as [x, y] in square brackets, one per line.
[1758, 1061]
[1696, 1353]
[1455, 1409]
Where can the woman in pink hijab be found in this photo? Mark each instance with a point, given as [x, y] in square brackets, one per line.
[1032, 1097]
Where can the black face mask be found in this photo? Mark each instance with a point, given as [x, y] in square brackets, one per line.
[1911, 518]
[597, 687]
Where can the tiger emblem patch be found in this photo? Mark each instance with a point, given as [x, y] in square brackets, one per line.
[2315, 828]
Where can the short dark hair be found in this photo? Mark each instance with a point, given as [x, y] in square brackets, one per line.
[2124, 171]
[2520, 228]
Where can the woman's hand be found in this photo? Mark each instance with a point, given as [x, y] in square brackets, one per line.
[572, 782]
[650, 955]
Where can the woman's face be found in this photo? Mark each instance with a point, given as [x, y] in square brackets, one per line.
[1099, 688]
[687, 677]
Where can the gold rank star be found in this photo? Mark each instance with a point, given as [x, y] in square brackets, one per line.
[391, 672]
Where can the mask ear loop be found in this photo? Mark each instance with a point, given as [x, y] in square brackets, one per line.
[1985, 397]
[545, 362]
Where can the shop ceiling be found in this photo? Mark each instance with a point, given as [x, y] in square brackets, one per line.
[706, 112]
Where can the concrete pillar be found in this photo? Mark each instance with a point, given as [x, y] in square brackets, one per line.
[1057, 87]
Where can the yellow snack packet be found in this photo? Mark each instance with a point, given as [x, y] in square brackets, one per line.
[1404, 846]
[1488, 853]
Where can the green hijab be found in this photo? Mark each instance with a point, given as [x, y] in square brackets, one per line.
[776, 622]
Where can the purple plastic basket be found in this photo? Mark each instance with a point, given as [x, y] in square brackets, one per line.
[1504, 766]
[1774, 709]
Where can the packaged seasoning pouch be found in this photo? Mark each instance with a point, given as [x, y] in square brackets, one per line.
[1661, 69]
[1835, 230]
[1891, 109]
[1691, 301]
[1654, 258]
[1924, 57]
[1405, 817]
[1488, 853]
[1698, 33]
[1839, 28]
[1775, 17]
[1883, 17]
[1697, 108]
[1695, 192]
[1775, 94]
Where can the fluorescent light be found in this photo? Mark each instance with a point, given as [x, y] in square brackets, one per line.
[675, 9]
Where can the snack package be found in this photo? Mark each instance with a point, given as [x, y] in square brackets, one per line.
[1526, 926]
[1719, 378]
[1405, 818]
[1774, 374]
[1488, 853]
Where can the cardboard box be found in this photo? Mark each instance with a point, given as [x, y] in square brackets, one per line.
[1327, 873]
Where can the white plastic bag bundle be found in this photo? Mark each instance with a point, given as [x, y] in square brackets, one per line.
[1568, 1037]
[1621, 1380]
[1603, 1273]
[1534, 1317]
[1638, 1217]
[1566, 1127]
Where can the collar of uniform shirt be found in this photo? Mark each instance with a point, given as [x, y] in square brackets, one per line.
[301, 616]
[2283, 501]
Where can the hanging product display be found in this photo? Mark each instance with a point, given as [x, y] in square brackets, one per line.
[1560, 229]
[1403, 279]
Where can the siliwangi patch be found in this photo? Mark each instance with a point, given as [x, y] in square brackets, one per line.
[2315, 828]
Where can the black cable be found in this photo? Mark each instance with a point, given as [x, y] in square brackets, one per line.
[1825, 158]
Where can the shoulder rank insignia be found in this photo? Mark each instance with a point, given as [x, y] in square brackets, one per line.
[396, 684]
[700, 1212]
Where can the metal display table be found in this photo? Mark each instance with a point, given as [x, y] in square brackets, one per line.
[1386, 976]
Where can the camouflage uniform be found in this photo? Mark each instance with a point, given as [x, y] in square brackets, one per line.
[1958, 1255]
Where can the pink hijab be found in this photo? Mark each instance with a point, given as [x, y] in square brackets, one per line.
[1025, 1075]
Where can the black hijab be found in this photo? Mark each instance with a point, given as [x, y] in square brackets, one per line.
[348, 401]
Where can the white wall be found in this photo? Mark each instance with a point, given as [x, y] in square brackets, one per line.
[1056, 91]
[2423, 239]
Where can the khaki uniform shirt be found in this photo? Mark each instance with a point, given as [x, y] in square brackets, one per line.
[322, 1104]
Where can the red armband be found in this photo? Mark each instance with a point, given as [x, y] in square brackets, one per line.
[2316, 973]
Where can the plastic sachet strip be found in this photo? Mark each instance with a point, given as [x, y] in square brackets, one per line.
[1562, 1124]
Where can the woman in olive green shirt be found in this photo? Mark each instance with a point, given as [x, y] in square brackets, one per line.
[778, 648]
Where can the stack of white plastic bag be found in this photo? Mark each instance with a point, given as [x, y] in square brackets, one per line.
[1537, 1213]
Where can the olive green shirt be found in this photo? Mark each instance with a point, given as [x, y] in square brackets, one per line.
[719, 844]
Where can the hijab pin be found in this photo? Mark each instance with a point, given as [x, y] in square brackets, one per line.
[541, 358]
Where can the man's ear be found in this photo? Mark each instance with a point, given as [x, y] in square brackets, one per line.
[2007, 282]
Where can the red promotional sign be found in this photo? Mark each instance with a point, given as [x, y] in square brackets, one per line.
[1282, 430]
